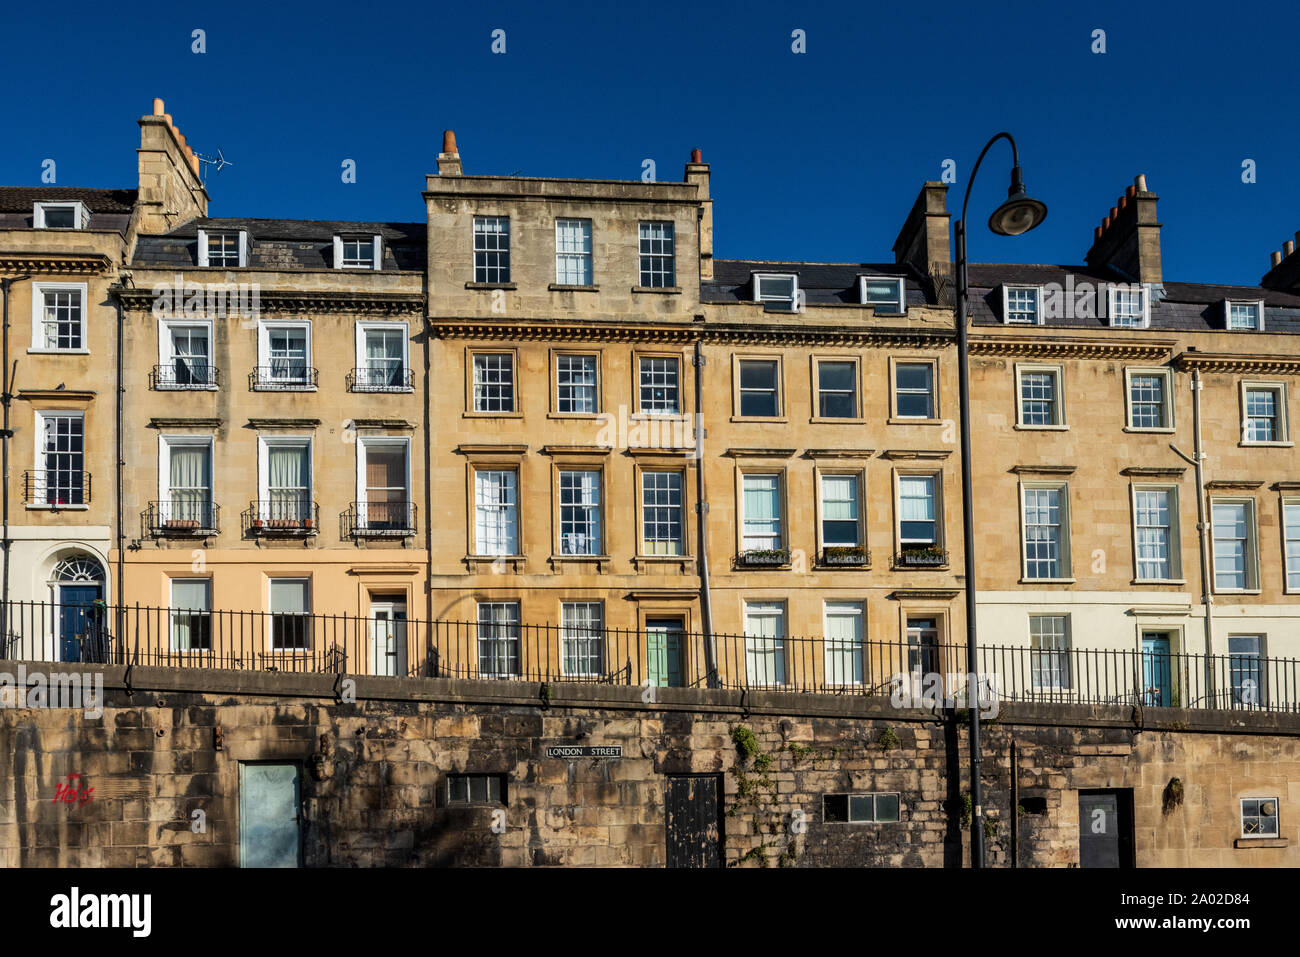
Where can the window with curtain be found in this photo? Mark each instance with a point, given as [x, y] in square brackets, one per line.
[498, 639]
[190, 362]
[191, 614]
[575, 384]
[765, 643]
[1049, 641]
[1291, 537]
[288, 483]
[1233, 545]
[386, 499]
[762, 512]
[661, 513]
[1154, 533]
[840, 524]
[580, 513]
[496, 520]
[844, 646]
[189, 485]
[917, 524]
[384, 365]
[1044, 552]
[287, 353]
[581, 637]
[290, 614]
[1245, 656]
[65, 451]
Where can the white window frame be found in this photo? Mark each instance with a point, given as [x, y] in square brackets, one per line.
[513, 366]
[1277, 816]
[587, 236]
[860, 483]
[270, 615]
[1258, 305]
[1065, 562]
[936, 488]
[763, 653]
[757, 279]
[264, 328]
[682, 520]
[364, 326]
[1168, 376]
[1038, 655]
[264, 445]
[167, 353]
[598, 507]
[1006, 305]
[365, 442]
[900, 286]
[582, 634]
[79, 208]
[667, 238]
[515, 512]
[1112, 292]
[1283, 419]
[243, 247]
[1060, 421]
[39, 289]
[1291, 566]
[376, 251]
[679, 383]
[895, 365]
[781, 533]
[165, 445]
[175, 610]
[1175, 568]
[834, 651]
[38, 457]
[475, 233]
[1251, 563]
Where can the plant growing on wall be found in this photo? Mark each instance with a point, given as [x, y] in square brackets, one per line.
[756, 791]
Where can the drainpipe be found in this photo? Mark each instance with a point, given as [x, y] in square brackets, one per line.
[6, 433]
[117, 470]
[1197, 460]
[702, 513]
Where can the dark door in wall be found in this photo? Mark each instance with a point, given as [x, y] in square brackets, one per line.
[1106, 828]
[694, 814]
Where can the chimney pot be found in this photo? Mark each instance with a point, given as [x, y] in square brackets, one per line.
[1123, 202]
[1114, 212]
[157, 106]
[1288, 248]
[449, 141]
[1297, 238]
[1105, 223]
[168, 118]
[1130, 191]
[1275, 258]
[1141, 182]
[1096, 233]
[697, 156]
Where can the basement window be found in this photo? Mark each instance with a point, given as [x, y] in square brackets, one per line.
[476, 789]
[1244, 315]
[71, 215]
[1259, 817]
[885, 293]
[860, 808]
[777, 290]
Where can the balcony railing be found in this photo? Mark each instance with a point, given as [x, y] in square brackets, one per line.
[845, 555]
[379, 520]
[182, 517]
[308, 642]
[921, 556]
[283, 377]
[287, 517]
[184, 374]
[758, 557]
[56, 488]
[381, 380]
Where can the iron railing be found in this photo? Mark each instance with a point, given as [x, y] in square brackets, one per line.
[184, 374]
[182, 516]
[291, 515]
[283, 377]
[379, 520]
[381, 379]
[56, 487]
[504, 649]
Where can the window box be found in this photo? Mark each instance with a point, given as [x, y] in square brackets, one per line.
[764, 556]
[845, 555]
[922, 556]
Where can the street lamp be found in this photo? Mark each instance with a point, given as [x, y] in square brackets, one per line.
[1019, 214]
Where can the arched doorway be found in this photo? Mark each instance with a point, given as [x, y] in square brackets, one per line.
[78, 583]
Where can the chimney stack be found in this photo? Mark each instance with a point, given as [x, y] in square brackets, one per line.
[1284, 268]
[697, 172]
[1129, 238]
[449, 158]
[923, 240]
[171, 188]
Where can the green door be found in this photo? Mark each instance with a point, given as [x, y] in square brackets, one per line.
[268, 816]
[663, 639]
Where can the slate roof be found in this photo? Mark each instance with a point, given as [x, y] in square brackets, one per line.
[285, 243]
[109, 208]
[821, 283]
[1185, 307]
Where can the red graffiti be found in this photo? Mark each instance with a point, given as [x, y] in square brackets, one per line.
[71, 792]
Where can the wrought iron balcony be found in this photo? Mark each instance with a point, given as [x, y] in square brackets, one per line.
[182, 517]
[56, 488]
[381, 380]
[841, 555]
[287, 517]
[283, 377]
[379, 520]
[921, 556]
[752, 557]
[184, 374]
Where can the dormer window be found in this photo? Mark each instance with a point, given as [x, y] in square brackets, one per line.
[223, 248]
[358, 252]
[776, 290]
[1022, 304]
[1128, 307]
[1244, 315]
[72, 215]
[885, 293]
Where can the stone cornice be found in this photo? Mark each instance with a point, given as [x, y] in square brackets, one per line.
[1043, 469]
[924, 594]
[1229, 485]
[575, 450]
[1049, 345]
[838, 453]
[44, 395]
[178, 422]
[491, 449]
[384, 569]
[39, 264]
[1235, 362]
[383, 424]
[283, 423]
[902, 455]
[681, 332]
[297, 302]
[1138, 471]
[754, 453]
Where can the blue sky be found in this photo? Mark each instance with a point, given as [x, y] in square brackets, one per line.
[815, 156]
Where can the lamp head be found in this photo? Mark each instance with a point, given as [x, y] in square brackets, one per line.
[1020, 213]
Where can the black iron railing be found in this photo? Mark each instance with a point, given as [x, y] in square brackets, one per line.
[184, 374]
[282, 516]
[381, 379]
[921, 556]
[379, 519]
[182, 516]
[56, 487]
[504, 649]
[283, 377]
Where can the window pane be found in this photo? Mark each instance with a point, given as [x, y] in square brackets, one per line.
[762, 512]
[914, 389]
[886, 808]
[758, 388]
[1038, 401]
[837, 389]
[1043, 554]
[1154, 525]
[1231, 546]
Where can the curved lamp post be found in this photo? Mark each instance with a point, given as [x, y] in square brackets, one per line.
[1019, 214]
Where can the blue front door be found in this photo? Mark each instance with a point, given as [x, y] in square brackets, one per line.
[1156, 684]
[77, 622]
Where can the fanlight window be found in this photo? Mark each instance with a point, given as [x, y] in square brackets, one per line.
[78, 570]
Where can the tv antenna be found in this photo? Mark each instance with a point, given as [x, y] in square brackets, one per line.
[219, 161]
